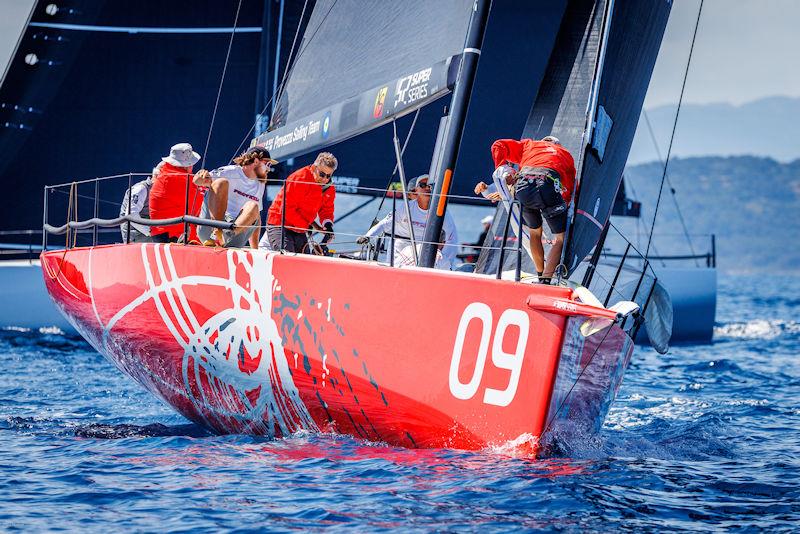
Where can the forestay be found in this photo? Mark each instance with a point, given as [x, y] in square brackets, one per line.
[360, 64]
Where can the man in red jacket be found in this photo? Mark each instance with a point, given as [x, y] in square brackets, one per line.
[168, 194]
[305, 201]
[544, 186]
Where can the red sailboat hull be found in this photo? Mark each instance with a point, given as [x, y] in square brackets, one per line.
[245, 341]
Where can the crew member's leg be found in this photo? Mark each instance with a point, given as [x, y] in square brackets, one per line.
[532, 218]
[216, 202]
[557, 221]
[218, 198]
[554, 255]
[245, 225]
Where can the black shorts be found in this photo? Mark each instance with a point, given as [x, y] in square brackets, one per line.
[538, 196]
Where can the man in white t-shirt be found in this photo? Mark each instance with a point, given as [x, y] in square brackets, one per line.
[419, 194]
[235, 194]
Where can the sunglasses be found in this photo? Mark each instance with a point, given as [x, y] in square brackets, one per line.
[323, 174]
[424, 186]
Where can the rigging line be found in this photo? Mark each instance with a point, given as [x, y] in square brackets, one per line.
[274, 98]
[292, 50]
[674, 127]
[402, 151]
[640, 226]
[282, 88]
[221, 82]
[672, 189]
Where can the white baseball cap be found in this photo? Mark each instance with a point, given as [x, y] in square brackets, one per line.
[488, 219]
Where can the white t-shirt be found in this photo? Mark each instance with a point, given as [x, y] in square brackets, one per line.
[405, 258]
[419, 218]
[240, 189]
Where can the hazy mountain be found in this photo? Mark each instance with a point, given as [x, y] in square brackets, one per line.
[769, 127]
[752, 205]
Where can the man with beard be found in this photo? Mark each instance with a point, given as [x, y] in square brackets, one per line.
[235, 194]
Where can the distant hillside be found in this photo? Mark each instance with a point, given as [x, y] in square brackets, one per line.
[752, 204]
[769, 127]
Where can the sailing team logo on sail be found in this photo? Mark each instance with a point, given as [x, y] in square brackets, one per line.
[413, 87]
[377, 111]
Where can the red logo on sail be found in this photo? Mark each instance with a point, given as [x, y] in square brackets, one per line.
[380, 98]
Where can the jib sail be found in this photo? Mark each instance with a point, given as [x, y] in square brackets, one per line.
[636, 30]
[361, 64]
[591, 98]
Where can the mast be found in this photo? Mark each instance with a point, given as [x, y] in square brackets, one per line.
[455, 129]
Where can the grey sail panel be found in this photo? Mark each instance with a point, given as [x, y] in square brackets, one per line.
[562, 102]
[361, 63]
[637, 28]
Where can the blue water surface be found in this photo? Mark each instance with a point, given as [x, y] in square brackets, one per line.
[705, 438]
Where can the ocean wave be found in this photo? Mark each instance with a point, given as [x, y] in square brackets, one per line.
[756, 329]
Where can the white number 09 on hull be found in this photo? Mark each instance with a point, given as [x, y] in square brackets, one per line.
[501, 359]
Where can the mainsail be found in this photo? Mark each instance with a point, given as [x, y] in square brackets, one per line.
[360, 65]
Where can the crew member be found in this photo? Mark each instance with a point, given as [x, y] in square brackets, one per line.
[305, 202]
[139, 196]
[419, 194]
[235, 194]
[544, 186]
[168, 196]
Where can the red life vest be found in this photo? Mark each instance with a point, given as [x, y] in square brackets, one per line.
[168, 199]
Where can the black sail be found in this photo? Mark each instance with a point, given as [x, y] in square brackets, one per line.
[637, 28]
[360, 64]
[560, 107]
[562, 102]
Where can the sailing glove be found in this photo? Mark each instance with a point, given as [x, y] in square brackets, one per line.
[329, 232]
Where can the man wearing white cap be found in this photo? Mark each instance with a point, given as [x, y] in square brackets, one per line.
[168, 194]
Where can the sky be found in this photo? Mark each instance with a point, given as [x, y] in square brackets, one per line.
[745, 50]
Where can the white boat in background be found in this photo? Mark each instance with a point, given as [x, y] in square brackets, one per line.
[25, 302]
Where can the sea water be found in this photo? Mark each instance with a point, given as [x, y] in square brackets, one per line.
[704, 438]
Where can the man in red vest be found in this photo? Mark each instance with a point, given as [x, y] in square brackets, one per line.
[306, 199]
[544, 187]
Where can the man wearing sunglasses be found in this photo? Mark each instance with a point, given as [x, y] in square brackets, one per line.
[309, 196]
[235, 194]
[419, 195]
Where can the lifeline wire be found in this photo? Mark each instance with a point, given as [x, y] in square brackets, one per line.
[671, 188]
[286, 73]
[674, 127]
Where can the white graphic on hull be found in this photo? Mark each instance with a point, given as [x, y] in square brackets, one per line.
[239, 349]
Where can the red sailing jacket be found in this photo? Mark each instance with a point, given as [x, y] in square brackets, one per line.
[304, 201]
[530, 153]
[168, 199]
